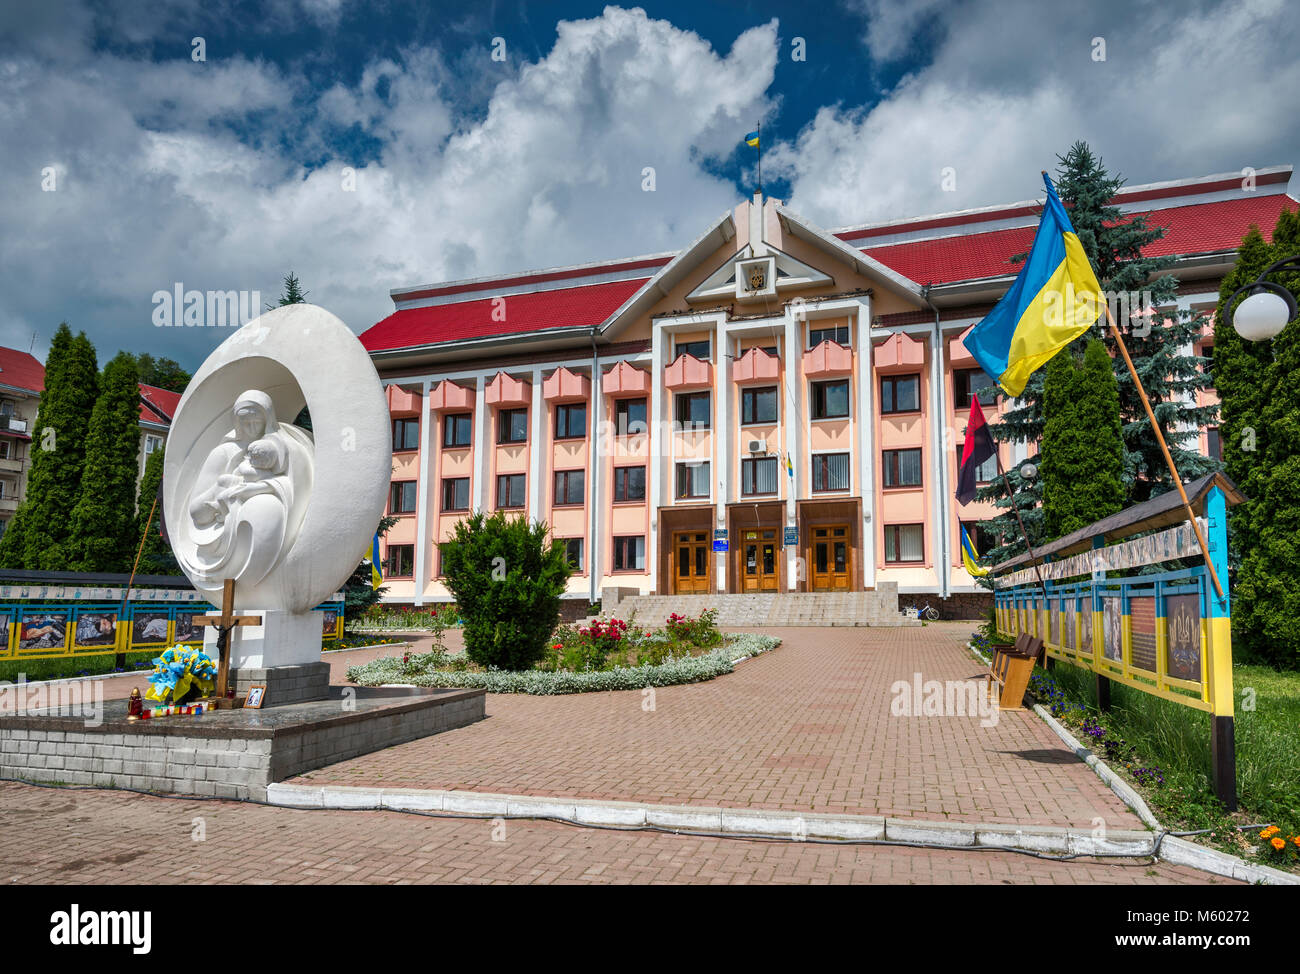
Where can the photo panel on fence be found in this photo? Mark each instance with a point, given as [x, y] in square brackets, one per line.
[43, 630]
[96, 628]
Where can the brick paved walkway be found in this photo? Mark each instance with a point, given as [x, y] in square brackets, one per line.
[93, 837]
[805, 728]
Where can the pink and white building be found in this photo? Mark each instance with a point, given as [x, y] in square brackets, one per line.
[776, 407]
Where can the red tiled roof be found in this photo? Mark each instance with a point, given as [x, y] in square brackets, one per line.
[1195, 229]
[21, 370]
[157, 405]
[570, 307]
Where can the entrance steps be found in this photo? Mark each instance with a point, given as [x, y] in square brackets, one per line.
[878, 607]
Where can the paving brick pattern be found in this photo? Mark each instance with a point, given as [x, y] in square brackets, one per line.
[805, 728]
[101, 838]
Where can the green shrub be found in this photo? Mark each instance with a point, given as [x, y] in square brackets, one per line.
[507, 577]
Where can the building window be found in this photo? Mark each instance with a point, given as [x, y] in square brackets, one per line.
[570, 488]
[571, 421]
[406, 434]
[834, 333]
[830, 400]
[512, 426]
[692, 410]
[4, 449]
[151, 443]
[983, 539]
[399, 561]
[1208, 353]
[904, 542]
[456, 429]
[830, 471]
[985, 472]
[401, 497]
[510, 490]
[758, 476]
[900, 394]
[629, 554]
[700, 349]
[629, 417]
[692, 480]
[573, 551]
[758, 406]
[903, 468]
[455, 493]
[629, 483]
[971, 382]
[1213, 445]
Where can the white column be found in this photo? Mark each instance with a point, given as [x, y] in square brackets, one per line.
[658, 460]
[423, 530]
[867, 441]
[792, 414]
[479, 496]
[947, 448]
[596, 469]
[721, 445]
[938, 429]
[535, 449]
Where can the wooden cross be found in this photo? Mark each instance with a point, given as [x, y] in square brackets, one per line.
[225, 622]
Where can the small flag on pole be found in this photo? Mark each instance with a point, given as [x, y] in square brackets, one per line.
[969, 556]
[376, 576]
[789, 467]
[751, 140]
[979, 446]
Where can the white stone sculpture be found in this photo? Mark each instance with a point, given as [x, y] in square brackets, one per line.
[247, 496]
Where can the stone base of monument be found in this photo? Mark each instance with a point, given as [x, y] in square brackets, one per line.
[284, 684]
[225, 753]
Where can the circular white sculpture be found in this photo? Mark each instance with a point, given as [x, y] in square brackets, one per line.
[285, 513]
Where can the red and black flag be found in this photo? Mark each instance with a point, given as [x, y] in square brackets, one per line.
[979, 447]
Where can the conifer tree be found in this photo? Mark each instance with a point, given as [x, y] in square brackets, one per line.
[38, 538]
[1082, 465]
[103, 529]
[1160, 345]
[156, 556]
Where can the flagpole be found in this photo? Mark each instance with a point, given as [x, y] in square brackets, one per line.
[760, 157]
[997, 455]
[1164, 448]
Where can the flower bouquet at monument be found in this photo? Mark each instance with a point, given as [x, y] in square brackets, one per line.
[180, 674]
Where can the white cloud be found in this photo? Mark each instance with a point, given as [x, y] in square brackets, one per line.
[1182, 92]
[190, 172]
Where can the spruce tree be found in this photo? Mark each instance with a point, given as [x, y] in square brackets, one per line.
[103, 528]
[38, 538]
[1159, 345]
[1082, 468]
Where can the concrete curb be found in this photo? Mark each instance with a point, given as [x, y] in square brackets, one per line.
[1173, 849]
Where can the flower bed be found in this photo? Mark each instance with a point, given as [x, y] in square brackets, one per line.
[427, 670]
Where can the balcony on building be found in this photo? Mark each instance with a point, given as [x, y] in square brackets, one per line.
[899, 351]
[755, 366]
[507, 392]
[402, 402]
[447, 397]
[562, 385]
[688, 372]
[625, 380]
[826, 360]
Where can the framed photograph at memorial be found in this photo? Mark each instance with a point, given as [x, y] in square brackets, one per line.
[42, 630]
[256, 696]
[95, 628]
[149, 627]
[186, 630]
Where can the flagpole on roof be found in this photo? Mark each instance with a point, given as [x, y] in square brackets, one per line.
[760, 158]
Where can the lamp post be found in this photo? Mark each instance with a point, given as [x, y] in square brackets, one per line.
[1268, 307]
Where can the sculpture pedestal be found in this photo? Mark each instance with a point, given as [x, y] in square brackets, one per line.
[283, 653]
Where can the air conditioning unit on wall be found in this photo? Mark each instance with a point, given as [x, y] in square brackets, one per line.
[757, 446]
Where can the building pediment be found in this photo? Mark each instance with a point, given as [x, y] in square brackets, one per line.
[756, 277]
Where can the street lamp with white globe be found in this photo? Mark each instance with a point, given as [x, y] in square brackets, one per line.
[1268, 307]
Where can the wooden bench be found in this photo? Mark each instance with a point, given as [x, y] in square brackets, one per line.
[1010, 670]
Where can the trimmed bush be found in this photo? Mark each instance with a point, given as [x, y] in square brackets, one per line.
[507, 577]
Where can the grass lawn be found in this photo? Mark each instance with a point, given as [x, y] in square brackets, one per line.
[1164, 749]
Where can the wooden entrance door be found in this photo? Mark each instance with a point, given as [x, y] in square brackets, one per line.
[690, 562]
[831, 558]
[758, 560]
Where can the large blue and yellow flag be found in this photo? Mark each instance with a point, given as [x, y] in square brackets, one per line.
[376, 576]
[751, 140]
[1053, 301]
[969, 556]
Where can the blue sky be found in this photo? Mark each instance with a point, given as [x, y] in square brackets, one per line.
[380, 145]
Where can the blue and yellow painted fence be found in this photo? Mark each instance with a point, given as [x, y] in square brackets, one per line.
[51, 626]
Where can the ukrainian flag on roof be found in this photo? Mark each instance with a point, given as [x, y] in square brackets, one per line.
[1053, 301]
[752, 140]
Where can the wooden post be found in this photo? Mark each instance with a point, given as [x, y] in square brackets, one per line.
[224, 622]
[1164, 448]
[120, 659]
